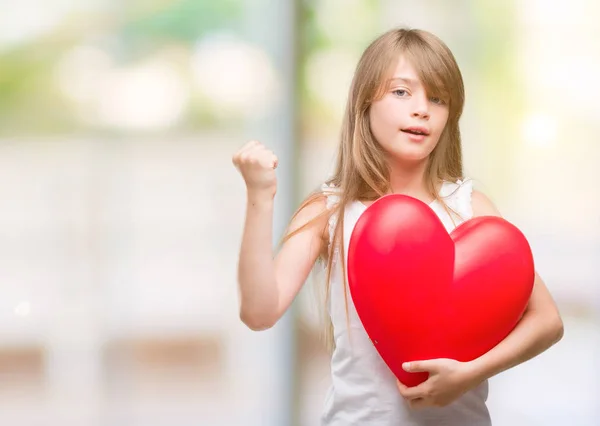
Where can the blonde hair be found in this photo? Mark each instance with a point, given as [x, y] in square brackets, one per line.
[361, 171]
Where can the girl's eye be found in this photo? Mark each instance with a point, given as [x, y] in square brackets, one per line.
[400, 92]
[437, 101]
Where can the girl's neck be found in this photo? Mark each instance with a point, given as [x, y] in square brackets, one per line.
[409, 180]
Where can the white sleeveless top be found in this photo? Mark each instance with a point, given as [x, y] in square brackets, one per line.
[363, 389]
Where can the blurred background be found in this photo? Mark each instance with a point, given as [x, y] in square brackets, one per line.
[121, 213]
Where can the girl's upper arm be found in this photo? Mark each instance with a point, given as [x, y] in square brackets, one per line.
[299, 253]
[540, 297]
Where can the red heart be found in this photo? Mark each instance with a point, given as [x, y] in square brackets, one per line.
[422, 293]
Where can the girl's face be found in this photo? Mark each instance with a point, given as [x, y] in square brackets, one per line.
[406, 121]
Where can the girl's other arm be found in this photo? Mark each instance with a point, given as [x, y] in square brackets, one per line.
[268, 285]
[540, 327]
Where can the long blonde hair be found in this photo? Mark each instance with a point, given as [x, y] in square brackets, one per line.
[362, 172]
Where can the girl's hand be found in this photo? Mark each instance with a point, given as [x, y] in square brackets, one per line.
[448, 380]
[257, 166]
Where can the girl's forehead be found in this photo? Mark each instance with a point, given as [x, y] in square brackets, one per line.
[403, 69]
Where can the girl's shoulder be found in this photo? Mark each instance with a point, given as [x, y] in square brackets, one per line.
[482, 205]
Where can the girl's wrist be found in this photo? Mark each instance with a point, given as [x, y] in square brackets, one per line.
[260, 198]
[477, 370]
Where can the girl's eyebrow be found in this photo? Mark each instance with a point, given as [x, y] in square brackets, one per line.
[405, 80]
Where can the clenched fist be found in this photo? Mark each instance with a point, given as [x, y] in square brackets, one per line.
[257, 166]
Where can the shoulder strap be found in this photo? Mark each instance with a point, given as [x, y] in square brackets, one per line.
[457, 195]
[333, 198]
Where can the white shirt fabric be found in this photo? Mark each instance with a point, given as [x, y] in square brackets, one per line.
[363, 389]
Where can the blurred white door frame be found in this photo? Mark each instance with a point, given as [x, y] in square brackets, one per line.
[266, 360]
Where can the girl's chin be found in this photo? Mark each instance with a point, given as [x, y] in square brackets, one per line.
[409, 156]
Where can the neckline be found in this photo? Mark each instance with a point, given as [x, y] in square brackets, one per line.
[433, 203]
[364, 206]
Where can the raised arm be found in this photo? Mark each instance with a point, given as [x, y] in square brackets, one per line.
[267, 283]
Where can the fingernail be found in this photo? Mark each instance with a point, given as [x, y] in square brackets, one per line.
[406, 366]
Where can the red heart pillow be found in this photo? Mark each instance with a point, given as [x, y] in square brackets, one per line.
[422, 293]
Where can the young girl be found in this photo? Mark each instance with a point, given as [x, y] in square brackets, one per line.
[400, 134]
